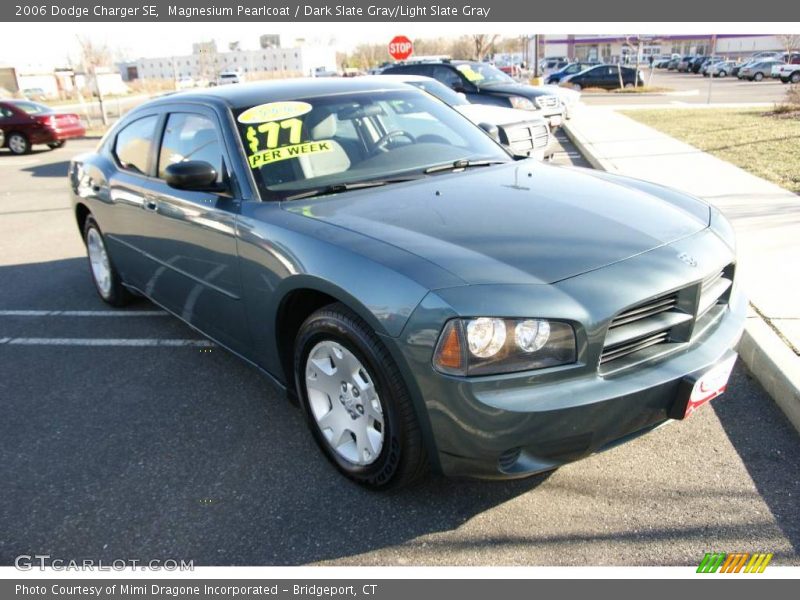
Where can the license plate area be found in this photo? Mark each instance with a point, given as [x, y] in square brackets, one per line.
[695, 391]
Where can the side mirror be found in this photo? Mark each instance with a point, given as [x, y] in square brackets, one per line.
[194, 175]
[491, 129]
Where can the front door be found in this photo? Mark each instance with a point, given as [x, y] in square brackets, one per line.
[191, 239]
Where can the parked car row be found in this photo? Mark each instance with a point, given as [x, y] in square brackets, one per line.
[760, 66]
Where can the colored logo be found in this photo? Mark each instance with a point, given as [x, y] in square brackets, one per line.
[737, 562]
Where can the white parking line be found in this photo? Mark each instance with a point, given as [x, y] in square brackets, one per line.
[127, 342]
[83, 313]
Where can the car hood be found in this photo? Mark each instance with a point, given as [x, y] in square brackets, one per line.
[496, 115]
[519, 89]
[523, 222]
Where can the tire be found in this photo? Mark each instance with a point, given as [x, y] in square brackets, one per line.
[758, 76]
[18, 143]
[628, 86]
[381, 412]
[56, 145]
[795, 77]
[107, 281]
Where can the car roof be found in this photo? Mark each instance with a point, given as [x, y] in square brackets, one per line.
[243, 95]
[401, 77]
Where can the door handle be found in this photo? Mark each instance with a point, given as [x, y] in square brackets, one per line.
[150, 203]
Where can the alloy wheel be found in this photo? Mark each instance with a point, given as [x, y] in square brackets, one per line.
[344, 403]
[98, 257]
[17, 144]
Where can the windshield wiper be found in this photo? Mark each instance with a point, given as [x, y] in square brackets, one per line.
[463, 164]
[335, 188]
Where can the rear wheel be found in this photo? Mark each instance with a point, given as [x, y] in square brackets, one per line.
[55, 145]
[356, 402]
[106, 280]
[18, 143]
[795, 77]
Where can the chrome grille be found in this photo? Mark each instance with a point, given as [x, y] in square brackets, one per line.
[642, 326]
[715, 290]
[667, 320]
[547, 101]
[524, 137]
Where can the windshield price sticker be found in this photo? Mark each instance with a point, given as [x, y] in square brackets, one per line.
[269, 156]
[271, 132]
[470, 73]
[274, 111]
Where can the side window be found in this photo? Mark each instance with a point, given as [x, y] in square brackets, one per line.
[190, 137]
[5, 113]
[133, 143]
[447, 76]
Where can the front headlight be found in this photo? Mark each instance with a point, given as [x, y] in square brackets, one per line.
[521, 102]
[487, 345]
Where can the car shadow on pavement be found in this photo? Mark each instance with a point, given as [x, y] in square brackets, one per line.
[767, 443]
[185, 453]
[55, 169]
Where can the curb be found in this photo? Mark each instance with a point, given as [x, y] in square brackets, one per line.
[767, 357]
[770, 361]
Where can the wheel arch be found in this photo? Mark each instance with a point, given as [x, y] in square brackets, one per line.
[299, 297]
[82, 213]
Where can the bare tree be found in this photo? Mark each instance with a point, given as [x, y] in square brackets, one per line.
[483, 43]
[790, 42]
[206, 61]
[94, 56]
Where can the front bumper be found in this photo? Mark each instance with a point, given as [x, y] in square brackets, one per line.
[515, 425]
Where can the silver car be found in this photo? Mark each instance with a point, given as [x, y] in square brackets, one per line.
[720, 69]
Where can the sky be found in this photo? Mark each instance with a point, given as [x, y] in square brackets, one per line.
[23, 43]
[50, 44]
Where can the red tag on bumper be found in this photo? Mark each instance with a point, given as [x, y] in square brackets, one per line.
[708, 386]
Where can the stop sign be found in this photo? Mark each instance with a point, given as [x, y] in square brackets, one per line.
[400, 48]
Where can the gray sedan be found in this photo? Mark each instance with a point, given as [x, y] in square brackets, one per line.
[429, 300]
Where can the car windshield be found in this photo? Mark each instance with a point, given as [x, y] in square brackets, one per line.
[440, 91]
[483, 74]
[33, 108]
[311, 144]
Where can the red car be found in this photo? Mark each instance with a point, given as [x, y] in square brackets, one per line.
[25, 123]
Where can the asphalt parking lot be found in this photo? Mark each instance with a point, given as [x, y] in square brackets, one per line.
[173, 448]
[686, 88]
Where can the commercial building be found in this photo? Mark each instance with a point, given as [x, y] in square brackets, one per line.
[621, 48]
[207, 62]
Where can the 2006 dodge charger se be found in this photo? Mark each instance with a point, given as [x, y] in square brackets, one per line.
[430, 299]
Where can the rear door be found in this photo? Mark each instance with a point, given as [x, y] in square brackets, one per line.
[125, 221]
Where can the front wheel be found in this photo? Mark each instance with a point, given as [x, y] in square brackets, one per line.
[758, 76]
[106, 280]
[18, 144]
[795, 77]
[356, 402]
